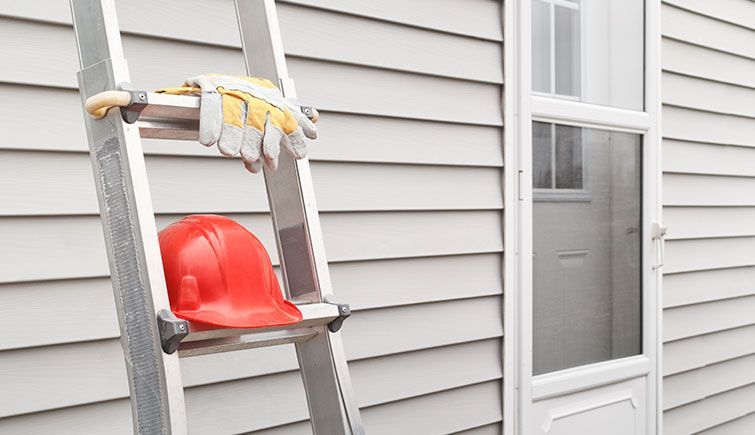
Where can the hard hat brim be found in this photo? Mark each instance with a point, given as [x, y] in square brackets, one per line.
[261, 317]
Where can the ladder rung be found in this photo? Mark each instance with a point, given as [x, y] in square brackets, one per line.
[171, 106]
[202, 342]
[170, 117]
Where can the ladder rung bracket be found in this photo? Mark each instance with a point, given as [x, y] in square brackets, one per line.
[205, 341]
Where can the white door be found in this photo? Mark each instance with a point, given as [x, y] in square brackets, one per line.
[582, 159]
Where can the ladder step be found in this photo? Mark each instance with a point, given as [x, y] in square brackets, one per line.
[166, 116]
[170, 117]
[201, 341]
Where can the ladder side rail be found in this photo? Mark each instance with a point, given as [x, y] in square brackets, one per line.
[322, 361]
[129, 227]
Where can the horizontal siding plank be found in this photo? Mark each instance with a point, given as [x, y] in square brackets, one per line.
[61, 374]
[57, 376]
[702, 350]
[490, 429]
[64, 311]
[377, 92]
[299, 428]
[243, 364]
[699, 384]
[46, 56]
[710, 412]
[450, 411]
[20, 107]
[404, 329]
[370, 236]
[257, 403]
[702, 158]
[709, 285]
[44, 183]
[390, 140]
[696, 126]
[708, 222]
[693, 60]
[373, 284]
[73, 247]
[478, 18]
[411, 374]
[701, 30]
[694, 93]
[699, 319]
[708, 190]
[739, 426]
[708, 254]
[739, 12]
[112, 418]
[79, 310]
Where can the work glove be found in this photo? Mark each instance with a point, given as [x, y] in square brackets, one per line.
[247, 117]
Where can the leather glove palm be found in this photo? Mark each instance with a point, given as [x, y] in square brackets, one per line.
[248, 117]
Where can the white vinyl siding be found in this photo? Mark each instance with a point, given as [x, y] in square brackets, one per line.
[708, 89]
[407, 173]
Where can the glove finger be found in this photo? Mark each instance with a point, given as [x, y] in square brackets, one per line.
[253, 167]
[296, 144]
[234, 115]
[307, 126]
[271, 143]
[210, 118]
[250, 149]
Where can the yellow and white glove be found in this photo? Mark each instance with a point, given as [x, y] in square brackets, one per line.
[247, 117]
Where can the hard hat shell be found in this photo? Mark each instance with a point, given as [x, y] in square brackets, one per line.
[219, 274]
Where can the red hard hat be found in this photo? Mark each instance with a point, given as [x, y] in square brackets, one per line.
[219, 274]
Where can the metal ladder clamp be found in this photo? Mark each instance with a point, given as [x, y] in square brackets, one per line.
[153, 339]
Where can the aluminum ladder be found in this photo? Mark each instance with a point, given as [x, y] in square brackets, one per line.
[152, 338]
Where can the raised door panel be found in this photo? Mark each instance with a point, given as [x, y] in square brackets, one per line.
[614, 409]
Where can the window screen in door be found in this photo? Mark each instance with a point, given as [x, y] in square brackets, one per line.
[587, 252]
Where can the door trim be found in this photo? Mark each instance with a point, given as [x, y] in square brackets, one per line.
[589, 376]
[518, 102]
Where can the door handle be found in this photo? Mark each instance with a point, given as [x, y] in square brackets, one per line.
[658, 234]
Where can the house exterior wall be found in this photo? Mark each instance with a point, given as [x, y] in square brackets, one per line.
[708, 91]
[410, 149]
[407, 173]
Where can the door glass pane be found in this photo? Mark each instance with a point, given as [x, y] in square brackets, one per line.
[566, 30]
[541, 46]
[591, 51]
[587, 251]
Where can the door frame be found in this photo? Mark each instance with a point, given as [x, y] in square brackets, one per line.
[520, 107]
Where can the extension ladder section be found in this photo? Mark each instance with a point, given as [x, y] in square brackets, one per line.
[153, 339]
